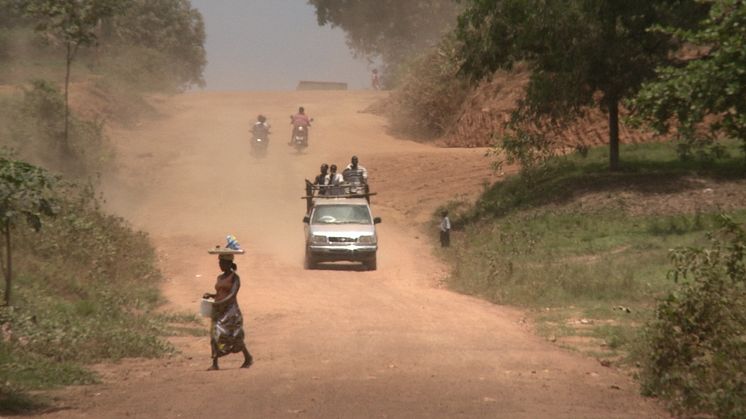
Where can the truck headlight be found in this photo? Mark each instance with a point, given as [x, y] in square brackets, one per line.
[319, 239]
[366, 239]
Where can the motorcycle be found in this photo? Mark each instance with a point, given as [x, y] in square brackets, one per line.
[299, 140]
[259, 140]
[300, 137]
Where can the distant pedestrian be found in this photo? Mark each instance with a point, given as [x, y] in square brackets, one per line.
[445, 230]
[375, 80]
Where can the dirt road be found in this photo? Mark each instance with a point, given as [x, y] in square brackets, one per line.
[332, 343]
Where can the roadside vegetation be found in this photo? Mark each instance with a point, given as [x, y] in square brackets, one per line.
[633, 254]
[429, 98]
[81, 286]
[391, 32]
[85, 287]
[69, 67]
[589, 253]
[623, 231]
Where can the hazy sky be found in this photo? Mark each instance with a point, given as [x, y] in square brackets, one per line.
[272, 44]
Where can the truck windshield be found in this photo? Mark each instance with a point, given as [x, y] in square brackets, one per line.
[341, 214]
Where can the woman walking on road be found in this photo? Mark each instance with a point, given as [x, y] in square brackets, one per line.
[226, 331]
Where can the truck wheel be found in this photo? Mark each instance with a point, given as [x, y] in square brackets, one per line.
[372, 264]
[308, 262]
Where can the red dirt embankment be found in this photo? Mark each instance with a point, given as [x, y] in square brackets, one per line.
[487, 109]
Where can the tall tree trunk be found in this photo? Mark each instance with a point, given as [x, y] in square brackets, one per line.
[9, 267]
[68, 61]
[613, 134]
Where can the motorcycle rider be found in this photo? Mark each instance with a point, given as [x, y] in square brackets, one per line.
[260, 129]
[299, 120]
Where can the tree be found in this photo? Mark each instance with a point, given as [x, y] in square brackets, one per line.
[707, 90]
[72, 23]
[580, 52]
[26, 192]
[171, 28]
[396, 31]
[12, 13]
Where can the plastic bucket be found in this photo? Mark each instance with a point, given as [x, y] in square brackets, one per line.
[205, 307]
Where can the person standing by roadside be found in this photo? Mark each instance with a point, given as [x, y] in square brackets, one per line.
[445, 230]
[375, 80]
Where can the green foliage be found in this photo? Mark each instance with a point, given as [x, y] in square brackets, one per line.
[427, 102]
[554, 257]
[563, 243]
[580, 52]
[391, 29]
[86, 291]
[531, 149]
[34, 125]
[12, 13]
[14, 401]
[707, 90]
[71, 22]
[528, 241]
[30, 370]
[154, 45]
[26, 192]
[696, 359]
[561, 177]
[159, 40]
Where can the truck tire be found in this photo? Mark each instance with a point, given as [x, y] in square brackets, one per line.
[371, 264]
[309, 262]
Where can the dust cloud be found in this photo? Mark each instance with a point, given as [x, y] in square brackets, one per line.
[190, 175]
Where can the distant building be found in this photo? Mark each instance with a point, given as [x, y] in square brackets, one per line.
[321, 85]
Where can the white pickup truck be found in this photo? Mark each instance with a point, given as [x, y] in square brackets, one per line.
[340, 228]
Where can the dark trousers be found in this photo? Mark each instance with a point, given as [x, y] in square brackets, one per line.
[445, 238]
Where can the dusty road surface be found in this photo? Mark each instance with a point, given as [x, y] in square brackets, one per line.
[337, 342]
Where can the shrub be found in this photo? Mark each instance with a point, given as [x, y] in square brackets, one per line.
[428, 101]
[696, 357]
[35, 127]
[85, 291]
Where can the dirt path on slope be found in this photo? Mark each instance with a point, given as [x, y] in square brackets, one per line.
[334, 343]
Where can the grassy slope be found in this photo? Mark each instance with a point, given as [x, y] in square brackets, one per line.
[586, 250]
[85, 290]
[85, 287]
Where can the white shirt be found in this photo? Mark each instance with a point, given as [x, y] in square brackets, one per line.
[445, 224]
[334, 181]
